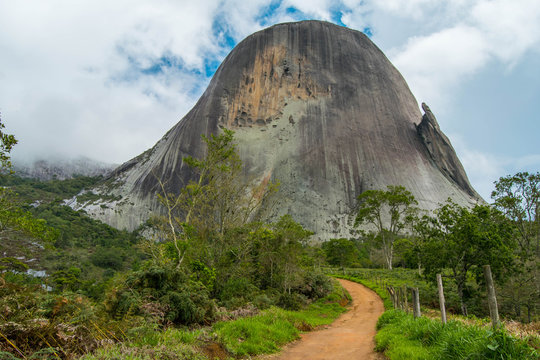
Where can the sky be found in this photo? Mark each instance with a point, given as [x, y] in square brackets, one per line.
[106, 79]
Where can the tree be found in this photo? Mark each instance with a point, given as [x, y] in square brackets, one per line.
[518, 197]
[12, 217]
[218, 201]
[389, 211]
[277, 253]
[463, 240]
[7, 142]
[340, 252]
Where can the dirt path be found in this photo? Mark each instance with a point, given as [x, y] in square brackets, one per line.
[349, 337]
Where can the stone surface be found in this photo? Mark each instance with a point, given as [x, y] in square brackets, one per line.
[315, 106]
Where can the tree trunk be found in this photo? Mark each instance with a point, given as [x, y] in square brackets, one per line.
[461, 300]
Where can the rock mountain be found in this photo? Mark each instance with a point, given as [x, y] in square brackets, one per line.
[315, 106]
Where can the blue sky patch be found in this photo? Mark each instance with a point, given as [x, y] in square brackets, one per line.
[367, 30]
[221, 31]
[264, 17]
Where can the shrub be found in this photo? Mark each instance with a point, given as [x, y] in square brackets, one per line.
[180, 300]
[237, 292]
[315, 286]
[292, 301]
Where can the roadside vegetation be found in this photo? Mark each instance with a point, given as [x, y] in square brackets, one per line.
[401, 336]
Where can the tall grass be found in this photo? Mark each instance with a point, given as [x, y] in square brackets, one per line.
[274, 327]
[401, 336]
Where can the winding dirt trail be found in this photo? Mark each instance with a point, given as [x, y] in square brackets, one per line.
[349, 337]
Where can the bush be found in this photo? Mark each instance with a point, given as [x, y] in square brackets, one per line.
[237, 292]
[315, 285]
[162, 294]
[293, 301]
[262, 301]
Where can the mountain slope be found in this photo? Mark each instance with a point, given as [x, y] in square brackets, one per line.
[315, 106]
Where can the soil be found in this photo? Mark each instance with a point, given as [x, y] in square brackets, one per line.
[350, 337]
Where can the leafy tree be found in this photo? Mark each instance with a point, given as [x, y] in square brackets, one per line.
[388, 211]
[340, 252]
[12, 218]
[218, 201]
[463, 240]
[7, 142]
[518, 197]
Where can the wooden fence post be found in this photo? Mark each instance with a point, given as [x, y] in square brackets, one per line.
[405, 298]
[441, 298]
[492, 298]
[416, 303]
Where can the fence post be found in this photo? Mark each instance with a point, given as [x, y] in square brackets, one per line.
[441, 298]
[416, 303]
[392, 293]
[492, 298]
[405, 298]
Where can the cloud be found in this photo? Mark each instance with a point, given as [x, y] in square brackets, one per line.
[484, 169]
[434, 63]
[499, 30]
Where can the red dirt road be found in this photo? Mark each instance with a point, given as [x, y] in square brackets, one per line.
[349, 337]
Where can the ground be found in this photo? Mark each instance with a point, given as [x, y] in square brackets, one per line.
[350, 337]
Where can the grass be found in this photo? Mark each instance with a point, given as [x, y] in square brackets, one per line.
[401, 336]
[263, 333]
[271, 329]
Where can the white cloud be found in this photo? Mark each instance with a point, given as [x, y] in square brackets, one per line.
[501, 30]
[510, 27]
[435, 63]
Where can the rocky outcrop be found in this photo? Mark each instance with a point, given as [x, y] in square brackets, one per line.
[441, 151]
[315, 106]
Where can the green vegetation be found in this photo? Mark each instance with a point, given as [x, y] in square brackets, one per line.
[209, 260]
[31, 190]
[215, 281]
[263, 333]
[388, 211]
[402, 337]
[267, 332]
[518, 197]
[462, 240]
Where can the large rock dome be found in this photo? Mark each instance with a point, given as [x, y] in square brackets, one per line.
[315, 106]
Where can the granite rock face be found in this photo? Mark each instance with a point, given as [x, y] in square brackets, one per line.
[315, 106]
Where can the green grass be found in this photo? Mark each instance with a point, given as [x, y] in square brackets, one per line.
[271, 329]
[401, 336]
[264, 333]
